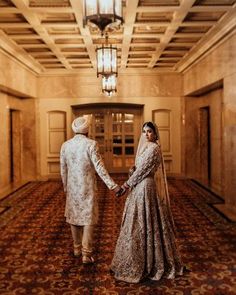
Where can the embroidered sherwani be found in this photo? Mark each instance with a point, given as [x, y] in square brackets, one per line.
[146, 244]
[79, 159]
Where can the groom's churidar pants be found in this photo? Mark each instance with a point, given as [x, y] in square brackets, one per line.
[83, 235]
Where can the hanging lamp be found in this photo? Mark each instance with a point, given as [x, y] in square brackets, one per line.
[103, 13]
[106, 60]
[109, 85]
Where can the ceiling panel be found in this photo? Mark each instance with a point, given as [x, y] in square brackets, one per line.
[156, 34]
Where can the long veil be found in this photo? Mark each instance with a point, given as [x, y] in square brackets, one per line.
[160, 177]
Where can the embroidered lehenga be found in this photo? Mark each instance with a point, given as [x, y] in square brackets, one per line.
[146, 244]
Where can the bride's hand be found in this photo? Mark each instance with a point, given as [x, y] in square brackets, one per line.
[131, 170]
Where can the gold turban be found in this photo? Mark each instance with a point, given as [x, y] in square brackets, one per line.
[81, 125]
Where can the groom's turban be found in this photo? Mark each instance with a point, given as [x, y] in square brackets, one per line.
[81, 125]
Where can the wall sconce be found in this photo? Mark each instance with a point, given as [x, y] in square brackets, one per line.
[103, 13]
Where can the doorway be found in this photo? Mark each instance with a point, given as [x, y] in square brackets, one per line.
[15, 146]
[116, 128]
[205, 148]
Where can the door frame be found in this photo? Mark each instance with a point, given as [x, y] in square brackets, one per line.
[78, 110]
[15, 145]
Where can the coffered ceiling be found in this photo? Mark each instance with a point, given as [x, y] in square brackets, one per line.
[157, 35]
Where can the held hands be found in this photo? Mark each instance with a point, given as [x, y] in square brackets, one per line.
[116, 189]
[122, 190]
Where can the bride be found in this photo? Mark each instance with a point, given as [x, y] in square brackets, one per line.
[146, 245]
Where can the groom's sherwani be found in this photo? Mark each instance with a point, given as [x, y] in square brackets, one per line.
[79, 160]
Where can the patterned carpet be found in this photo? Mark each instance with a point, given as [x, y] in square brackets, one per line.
[36, 246]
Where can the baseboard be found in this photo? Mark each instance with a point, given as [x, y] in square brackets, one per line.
[11, 188]
[207, 188]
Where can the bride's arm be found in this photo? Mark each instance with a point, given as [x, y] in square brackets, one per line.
[150, 159]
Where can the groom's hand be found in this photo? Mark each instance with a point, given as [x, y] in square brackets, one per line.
[116, 189]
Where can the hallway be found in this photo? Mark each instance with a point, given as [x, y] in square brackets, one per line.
[36, 245]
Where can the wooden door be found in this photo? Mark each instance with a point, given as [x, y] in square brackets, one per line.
[204, 142]
[117, 130]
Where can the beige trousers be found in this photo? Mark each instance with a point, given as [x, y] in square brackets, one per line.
[83, 236]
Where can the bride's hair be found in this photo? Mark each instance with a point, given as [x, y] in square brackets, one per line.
[152, 126]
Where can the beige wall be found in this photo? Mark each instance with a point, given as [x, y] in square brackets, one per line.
[154, 91]
[216, 66]
[16, 79]
[229, 139]
[192, 164]
[27, 140]
[88, 86]
[17, 84]
[219, 65]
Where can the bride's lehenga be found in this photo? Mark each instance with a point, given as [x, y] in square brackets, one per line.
[146, 244]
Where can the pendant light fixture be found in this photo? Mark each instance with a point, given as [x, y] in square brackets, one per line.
[106, 60]
[103, 13]
[109, 85]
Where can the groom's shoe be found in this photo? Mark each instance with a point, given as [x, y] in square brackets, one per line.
[87, 259]
[77, 250]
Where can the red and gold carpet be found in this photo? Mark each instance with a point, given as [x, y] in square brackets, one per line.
[36, 246]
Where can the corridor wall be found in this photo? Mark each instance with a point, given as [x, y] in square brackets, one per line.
[218, 67]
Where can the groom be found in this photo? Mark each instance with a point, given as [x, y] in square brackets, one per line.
[79, 159]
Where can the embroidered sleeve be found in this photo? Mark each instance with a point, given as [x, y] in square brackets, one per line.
[150, 160]
[100, 167]
[63, 167]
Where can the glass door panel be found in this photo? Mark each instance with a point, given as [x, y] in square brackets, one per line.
[129, 139]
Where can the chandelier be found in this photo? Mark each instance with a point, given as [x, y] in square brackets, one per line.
[103, 13]
[106, 61]
[109, 85]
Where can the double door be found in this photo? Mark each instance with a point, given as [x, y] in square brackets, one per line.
[117, 132]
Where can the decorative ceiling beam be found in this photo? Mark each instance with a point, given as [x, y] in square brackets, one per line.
[59, 24]
[35, 22]
[7, 10]
[157, 8]
[174, 51]
[24, 36]
[151, 24]
[72, 46]
[130, 18]
[188, 35]
[223, 28]
[13, 49]
[85, 33]
[9, 25]
[166, 24]
[66, 36]
[53, 10]
[178, 18]
[142, 52]
[210, 8]
[34, 46]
